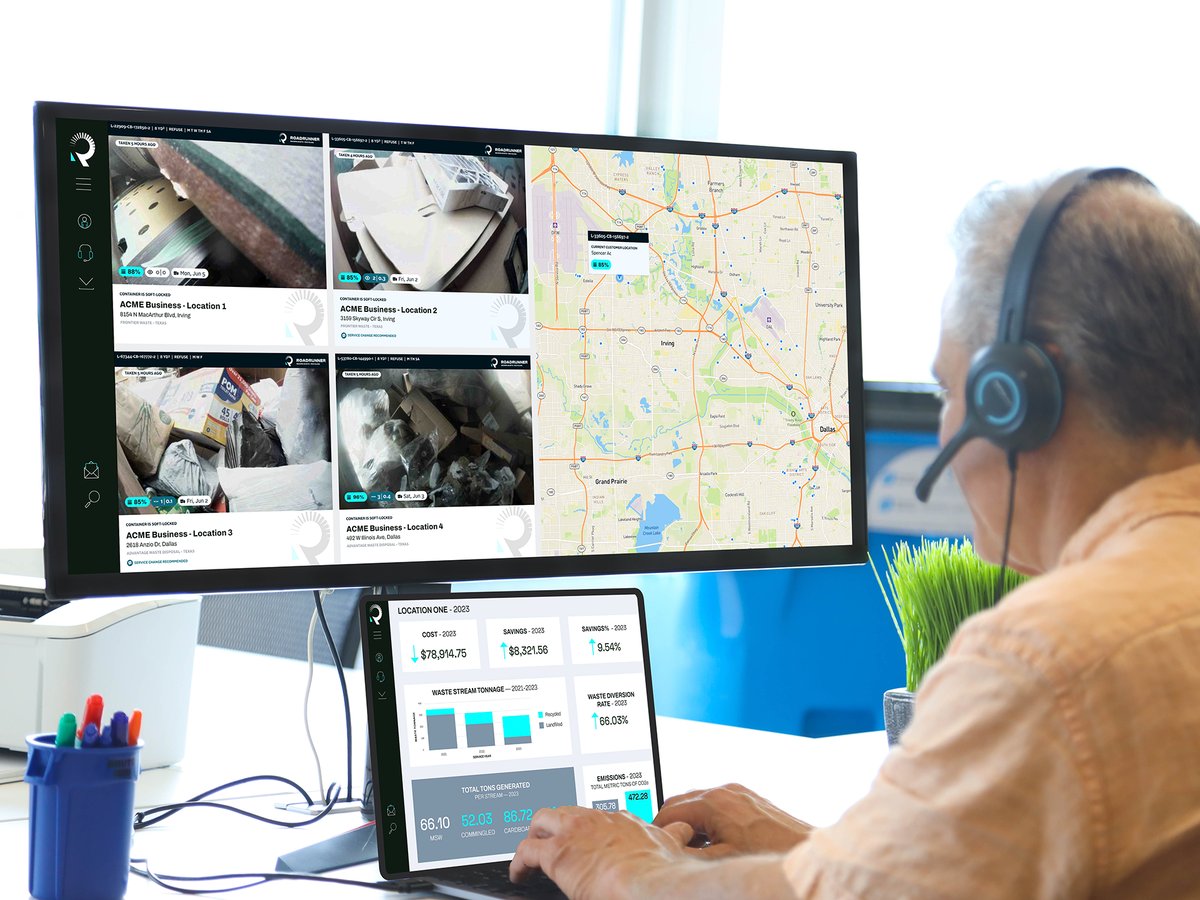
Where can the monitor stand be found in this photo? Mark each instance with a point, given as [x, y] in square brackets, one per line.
[358, 845]
[347, 849]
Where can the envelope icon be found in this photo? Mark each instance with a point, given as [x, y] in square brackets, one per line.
[91, 469]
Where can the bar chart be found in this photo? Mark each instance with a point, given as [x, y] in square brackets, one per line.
[628, 786]
[506, 719]
[442, 730]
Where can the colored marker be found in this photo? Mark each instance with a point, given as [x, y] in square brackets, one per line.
[66, 731]
[120, 729]
[93, 711]
[135, 727]
[106, 739]
[91, 734]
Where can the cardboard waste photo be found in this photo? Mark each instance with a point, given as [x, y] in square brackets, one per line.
[223, 438]
[418, 436]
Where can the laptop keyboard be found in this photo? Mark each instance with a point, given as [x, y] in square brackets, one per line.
[495, 880]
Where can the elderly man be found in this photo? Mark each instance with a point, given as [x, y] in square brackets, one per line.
[1056, 749]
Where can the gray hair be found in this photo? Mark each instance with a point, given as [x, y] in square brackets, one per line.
[1117, 291]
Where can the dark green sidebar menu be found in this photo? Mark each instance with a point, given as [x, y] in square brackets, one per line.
[381, 667]
[86, 259]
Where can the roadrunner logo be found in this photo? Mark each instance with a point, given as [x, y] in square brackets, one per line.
[516, 528]
[307, 314]
[508, 315]
[83, 146]
[310, 536]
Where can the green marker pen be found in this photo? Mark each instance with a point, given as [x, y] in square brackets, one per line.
[66, 731]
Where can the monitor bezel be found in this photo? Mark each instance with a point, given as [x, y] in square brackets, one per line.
[62, 584]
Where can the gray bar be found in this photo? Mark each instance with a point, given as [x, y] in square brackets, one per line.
[481, 735]
[441, 732]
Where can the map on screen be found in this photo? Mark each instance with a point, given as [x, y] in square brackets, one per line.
[690, 324]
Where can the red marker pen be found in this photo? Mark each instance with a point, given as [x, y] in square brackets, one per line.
[93, 711]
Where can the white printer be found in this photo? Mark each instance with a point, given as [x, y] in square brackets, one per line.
[135, 651]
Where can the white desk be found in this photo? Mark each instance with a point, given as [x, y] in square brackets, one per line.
[245, 720]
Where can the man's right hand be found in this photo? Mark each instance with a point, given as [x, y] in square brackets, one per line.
[735, 820]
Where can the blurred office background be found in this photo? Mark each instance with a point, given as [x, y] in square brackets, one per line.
[937, 98]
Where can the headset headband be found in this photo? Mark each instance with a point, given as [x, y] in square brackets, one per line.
[1014, 306]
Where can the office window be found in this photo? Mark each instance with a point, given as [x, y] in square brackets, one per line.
[940, 98]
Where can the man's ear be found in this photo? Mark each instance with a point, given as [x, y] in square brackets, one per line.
[1058, 356]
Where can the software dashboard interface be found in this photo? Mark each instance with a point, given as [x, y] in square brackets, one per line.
[486, 708]
[286, 348]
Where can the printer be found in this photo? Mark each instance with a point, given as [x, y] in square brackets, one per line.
[136, 652]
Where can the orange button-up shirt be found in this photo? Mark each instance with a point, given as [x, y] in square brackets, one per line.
[1055, 750]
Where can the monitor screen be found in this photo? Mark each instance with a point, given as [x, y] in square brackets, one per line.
[285, 352]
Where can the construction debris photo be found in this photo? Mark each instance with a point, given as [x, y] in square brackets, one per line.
[422, 437]
[222, 439]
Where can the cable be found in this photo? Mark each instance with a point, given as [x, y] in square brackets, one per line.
[312, 627]
[163, 880]
[1008, 523]
[337, 661]
[146, 818]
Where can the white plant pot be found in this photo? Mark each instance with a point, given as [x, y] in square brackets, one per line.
[898, 708]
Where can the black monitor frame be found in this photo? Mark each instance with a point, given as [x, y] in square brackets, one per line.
[62, 584]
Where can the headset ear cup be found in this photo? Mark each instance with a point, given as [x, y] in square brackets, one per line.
[1044, 390]
[1014, 396]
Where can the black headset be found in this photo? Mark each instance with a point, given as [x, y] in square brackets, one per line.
[1014, 392]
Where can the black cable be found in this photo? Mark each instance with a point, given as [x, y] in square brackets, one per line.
[163, 880]
[1008, 523]
[337, 661]
[146, 818]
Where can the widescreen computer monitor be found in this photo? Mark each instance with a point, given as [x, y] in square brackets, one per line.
[284, 353]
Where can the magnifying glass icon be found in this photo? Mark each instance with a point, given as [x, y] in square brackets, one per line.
[93, 497]
[392, 828]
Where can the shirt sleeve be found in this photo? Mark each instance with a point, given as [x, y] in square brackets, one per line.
[983, 797]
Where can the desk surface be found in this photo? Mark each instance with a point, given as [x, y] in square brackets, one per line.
[246, 719]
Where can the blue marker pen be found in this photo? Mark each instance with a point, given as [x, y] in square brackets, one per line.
[120, 729]
[91, 734]
[105, 737]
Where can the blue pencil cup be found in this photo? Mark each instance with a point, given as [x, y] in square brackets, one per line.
[80, 819]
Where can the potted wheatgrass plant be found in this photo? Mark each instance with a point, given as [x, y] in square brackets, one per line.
[933, 588]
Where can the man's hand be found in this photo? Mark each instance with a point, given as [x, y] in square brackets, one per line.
[735, 820]
[592, 854]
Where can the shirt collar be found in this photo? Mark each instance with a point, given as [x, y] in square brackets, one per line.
[1169, 494]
